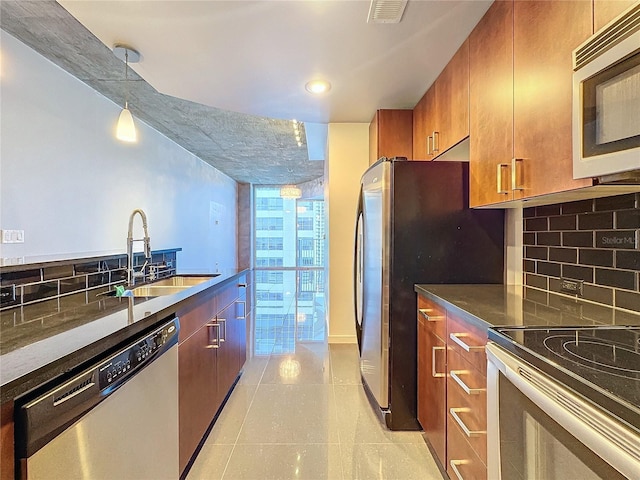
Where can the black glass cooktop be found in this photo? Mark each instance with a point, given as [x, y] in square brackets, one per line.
[601, 363]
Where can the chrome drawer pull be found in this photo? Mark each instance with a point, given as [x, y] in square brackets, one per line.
[244, 310]
[223, 323]
[465, 429]
[468, 390]
[217, 340]
[514, 175]
[456, 337]
[454, 466]
[499, 178]
[433, 362]
[430, 318]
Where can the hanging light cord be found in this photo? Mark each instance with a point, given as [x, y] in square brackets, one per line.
[126, 79]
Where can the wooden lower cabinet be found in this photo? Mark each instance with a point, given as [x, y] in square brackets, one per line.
[197, 390]
[7, 467]
[452, 390]
[209, 361]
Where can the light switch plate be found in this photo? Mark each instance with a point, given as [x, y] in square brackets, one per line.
[12, 236]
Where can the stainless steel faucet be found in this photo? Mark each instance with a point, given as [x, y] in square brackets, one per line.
[131, 273]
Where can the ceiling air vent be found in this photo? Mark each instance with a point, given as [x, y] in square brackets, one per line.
[386, 11]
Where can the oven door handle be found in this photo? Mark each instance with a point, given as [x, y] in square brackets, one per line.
[609, 439]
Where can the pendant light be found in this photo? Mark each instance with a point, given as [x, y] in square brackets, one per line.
[126, 130]
[290, 191]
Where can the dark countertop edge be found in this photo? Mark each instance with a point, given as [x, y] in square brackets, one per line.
[80, 259]
[469, 317]
[81, 358]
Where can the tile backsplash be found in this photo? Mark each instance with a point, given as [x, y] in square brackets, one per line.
[596, 241]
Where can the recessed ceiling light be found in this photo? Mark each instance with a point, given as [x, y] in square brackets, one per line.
[317, 86]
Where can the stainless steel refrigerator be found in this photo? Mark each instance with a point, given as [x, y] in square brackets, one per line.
[413, 227]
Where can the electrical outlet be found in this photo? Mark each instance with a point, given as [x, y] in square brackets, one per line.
[573, 287]
[12, 236]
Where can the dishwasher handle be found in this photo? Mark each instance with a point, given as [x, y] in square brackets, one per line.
[43, 416]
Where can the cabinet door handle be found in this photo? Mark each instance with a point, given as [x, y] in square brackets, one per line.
[499, 178]
[429, 149]
[469, 433]
[433, 362]
[242, 285]
[244, 310]
[514, 174]
[436, 141]
[454, 466]
[217, 339]
[223, 323]
[468, 390]
[430, 318]
[456, 337]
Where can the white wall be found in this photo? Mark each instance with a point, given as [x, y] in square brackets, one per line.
[348, 158]
[71, 186]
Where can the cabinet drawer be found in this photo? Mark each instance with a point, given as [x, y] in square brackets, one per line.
[227, 295]
[433, 315]
[468, 341]
[195, 316]
[469, 412]
[462, 461]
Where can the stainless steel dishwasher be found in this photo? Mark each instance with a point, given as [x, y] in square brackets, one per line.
[117, 419]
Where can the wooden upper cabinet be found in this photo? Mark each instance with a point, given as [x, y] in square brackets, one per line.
[491, 105]
[452, 101]
[391, 134]
[424, 125]
[441, 117]
[606, 10]
[543, 80]
[521, 81]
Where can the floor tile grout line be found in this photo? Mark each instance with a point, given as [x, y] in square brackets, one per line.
[335, 401]
[226, 466]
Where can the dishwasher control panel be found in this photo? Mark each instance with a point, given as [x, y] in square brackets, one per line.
[117, 368]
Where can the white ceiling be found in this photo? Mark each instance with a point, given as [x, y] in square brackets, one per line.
[255, 57]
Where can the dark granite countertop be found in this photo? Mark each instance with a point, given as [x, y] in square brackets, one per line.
[39, 342]
[509, 305]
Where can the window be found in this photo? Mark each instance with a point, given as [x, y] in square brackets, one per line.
[269, 203]
[269, 223]
[269, 262]
[305, 223]
[274, 278]
[269, 243]
[269, 296]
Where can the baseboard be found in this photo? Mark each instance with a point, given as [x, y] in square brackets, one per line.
[342, 339]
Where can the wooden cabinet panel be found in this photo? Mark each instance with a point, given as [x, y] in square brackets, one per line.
[542, 106]
[471, 411]
[468, 342]
[432, 396]
[193, 317]
[452, 101]
[606, 10]
[391, 134]
[197, 390]
[462, 455]
[7, 470]
[423, 125]
[433, 315]
[491, 103]
[227, 354]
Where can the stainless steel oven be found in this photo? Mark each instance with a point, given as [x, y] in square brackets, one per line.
[606, 99]
[563, 403]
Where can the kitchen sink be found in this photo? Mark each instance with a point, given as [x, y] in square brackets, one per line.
[182, 280]
[156, 290]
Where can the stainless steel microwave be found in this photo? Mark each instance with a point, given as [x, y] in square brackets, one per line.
[606, 99]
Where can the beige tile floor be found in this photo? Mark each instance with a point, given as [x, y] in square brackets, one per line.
[305, 416]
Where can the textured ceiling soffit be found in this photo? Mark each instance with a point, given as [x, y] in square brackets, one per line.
[247, 148]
